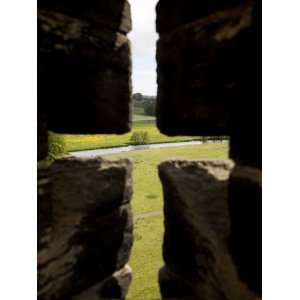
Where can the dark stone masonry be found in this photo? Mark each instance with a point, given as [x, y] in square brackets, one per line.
[197, 227]
[209, 83]
[86, 228]
[84, 68]
[201, 69]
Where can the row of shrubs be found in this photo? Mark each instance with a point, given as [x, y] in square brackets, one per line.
[56, 146]
[219, 138]
[139, 138]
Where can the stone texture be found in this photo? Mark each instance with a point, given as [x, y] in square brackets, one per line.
[85, 224]
[196, 231]
[112, 14]
[84, 73]
[172, 14]
[201, 72]
[42, 134]
[246, 106]
[245, 207]
[44, 205]
[172, 286]
[114, 287]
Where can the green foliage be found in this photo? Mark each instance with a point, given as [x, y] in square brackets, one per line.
[144, 105]
[204, 139]
[150, 107]
[137, 97]
[56, 146]
[139, 138]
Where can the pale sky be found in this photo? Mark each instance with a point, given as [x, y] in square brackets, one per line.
[143, 46]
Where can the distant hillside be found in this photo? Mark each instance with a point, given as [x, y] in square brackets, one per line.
[143, 104]
[140, 97]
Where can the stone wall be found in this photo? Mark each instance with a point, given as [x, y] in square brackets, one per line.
[197, 227]
[85, 227]
[209, 83]
[87, 43]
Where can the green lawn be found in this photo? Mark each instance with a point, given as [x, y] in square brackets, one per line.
[147, 194]
[141, 117]
[94, 141]
[146, 258]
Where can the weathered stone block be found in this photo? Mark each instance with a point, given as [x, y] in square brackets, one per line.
[246, 106]
[196, 230]
[245, 208]
[204, 68]
[85, 224]
[246, 141]
[112, 14]
[44, 205]
[175, 13]
[172, 286]
[84, 76]
[42, 134]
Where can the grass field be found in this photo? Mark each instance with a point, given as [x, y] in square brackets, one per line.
[146, 258]
[140, 123]
[147, 194]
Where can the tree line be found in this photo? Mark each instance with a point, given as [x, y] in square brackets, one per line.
[148, 103]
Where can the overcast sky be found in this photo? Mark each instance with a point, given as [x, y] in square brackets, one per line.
[143, 44]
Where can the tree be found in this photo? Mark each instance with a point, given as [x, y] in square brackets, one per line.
[150, 107]
[56, 146]
[137, 97]
[139, 138]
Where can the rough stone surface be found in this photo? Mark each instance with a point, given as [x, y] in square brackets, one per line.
[172, 286]
[85, 224]
[42, 134]
[245, 207]
[114, 287]
[113, 14]
[201, 72]
[84, 75]
[172, 14]
[246, 106]
[196, 231]
[44, 206]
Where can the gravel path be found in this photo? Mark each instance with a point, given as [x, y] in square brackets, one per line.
[97, 152]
